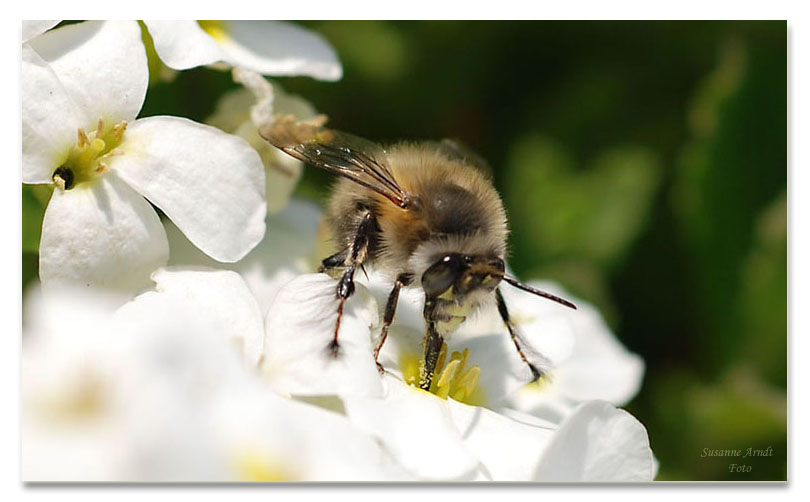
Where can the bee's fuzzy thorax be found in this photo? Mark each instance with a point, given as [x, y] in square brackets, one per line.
[458, 207]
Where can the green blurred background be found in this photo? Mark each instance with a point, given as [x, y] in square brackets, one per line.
[643, 165]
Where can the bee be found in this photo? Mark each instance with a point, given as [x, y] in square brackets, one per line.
[425, 216]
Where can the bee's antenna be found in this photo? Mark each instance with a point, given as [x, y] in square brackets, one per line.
[524, 287]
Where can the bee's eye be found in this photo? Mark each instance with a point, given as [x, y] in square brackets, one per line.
[442, 274]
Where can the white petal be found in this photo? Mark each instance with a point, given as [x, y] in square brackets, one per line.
[101, 234]
[193, 398]
[180, 359]
[232, 109]
[299, 329]
[502, 370]
[31, 29]
[419, 430]
[288, 250]
[300, 442]
[279, 48]
[183, 44]
[211, 184]
[543, 401]
[67, 373]
[282, 172]
[102, 66]
[598, 443]
[222, 299]
[600, 367]
[544, 325]
[50, 119]
[508, 449]
[243, 110]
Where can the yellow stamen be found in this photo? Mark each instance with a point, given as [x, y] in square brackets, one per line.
[455, 379]
[118, 129]
[112, 153]
[467, 383]
[446, 377]
[82, 141]
[465, 357]
[88, 158]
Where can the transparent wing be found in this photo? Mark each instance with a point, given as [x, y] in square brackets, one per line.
[339, 153]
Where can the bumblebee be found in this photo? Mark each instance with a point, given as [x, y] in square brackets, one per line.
[424, 215]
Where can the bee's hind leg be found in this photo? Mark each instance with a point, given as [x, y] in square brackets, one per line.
[353, 258]
[388, 316]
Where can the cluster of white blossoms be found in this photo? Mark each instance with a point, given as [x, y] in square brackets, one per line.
[196, 351]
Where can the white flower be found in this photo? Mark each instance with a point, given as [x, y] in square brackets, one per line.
[156, 392]
[289, 249]
[307, 306]
[267, 47]
[445, 439]
[68, 413]
[435, 435]
[82, 87]
[244, 110]
[597, 366]
[589, 363]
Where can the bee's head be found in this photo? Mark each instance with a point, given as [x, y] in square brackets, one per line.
[459, 274]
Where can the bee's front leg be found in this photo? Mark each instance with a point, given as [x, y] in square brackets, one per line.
[432, 342]
[433, 345]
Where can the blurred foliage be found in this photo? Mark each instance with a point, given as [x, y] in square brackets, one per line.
[577, 222]
[643, 165]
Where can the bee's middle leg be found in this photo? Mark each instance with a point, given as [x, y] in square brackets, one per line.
[333, 262]
[388, 316]
[355, 255]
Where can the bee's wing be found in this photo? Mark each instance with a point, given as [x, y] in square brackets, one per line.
[339, 153]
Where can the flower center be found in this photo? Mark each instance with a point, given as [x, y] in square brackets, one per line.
[454, 378]
[84, 398]
[87, 160]
[250, 464]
